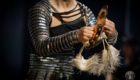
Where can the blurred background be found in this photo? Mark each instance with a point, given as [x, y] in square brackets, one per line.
[15, 40]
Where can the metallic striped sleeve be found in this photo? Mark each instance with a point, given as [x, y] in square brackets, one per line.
[113, 39]
[90, 17]
[39, 20]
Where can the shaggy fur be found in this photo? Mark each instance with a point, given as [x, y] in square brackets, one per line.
[98, 64]
[88, 65]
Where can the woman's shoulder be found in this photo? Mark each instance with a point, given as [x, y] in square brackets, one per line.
[42, 10]
[90, 18]
[84, 6]
[42, 5]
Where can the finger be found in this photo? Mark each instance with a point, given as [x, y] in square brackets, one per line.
[92, 27]
[88, 31]
[107, 27]
[88, 35]
[109, 21]
[86, 38]
[89, 28]
[109, 24]
[108, 32]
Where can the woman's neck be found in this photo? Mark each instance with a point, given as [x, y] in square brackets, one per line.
[66, 5]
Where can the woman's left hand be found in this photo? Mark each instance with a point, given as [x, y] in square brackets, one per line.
[109, 28]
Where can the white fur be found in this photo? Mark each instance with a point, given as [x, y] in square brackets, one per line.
[98, 64]
[87, 65]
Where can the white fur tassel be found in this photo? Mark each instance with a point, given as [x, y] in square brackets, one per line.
[114, 58]
[104, 61]
[98, 64]
[88, 65]
[103, 64]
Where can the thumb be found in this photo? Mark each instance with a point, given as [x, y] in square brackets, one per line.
[94, 27]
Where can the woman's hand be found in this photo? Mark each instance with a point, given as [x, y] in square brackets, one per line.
[85, 33]
[109, 28]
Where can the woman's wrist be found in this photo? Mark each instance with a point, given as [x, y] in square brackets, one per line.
[112, 40]
[76, 35]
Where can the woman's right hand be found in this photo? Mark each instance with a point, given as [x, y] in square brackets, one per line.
[85, 33]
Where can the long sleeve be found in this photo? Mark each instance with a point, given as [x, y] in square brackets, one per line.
[43, 44]
[113, 39]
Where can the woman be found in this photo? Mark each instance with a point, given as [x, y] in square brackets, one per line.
[55, 26]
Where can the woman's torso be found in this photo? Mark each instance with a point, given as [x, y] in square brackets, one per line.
[57, 66]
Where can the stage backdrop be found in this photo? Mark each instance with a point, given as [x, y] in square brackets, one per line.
[14, 34]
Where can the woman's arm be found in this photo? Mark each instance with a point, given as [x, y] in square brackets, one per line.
[39, 20]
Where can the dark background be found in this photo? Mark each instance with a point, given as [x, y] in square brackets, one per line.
[15, 40]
